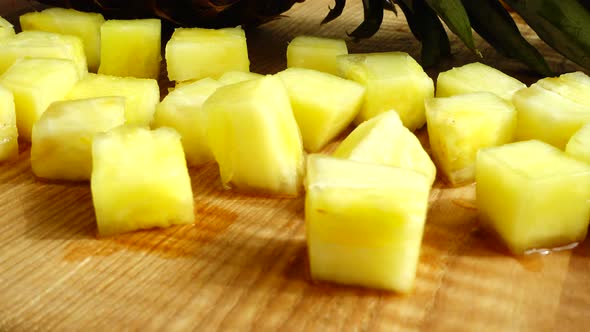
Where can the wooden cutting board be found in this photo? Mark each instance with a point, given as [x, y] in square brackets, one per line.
[243, 265]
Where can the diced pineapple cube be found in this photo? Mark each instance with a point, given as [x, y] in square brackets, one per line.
[84, 25]
[41, 44]
[384, 140]
[315, 53]
[573, 86]
[140, 180]
[131, 48]
[533, 195]
[323, 104]
[234, 76]
[579, 144]
[477, 77]
[364, 222]
[460, 125]
[6, 28]
[548, 116]
[195, 53]
[182, 110]
[141, 94]
[254, 136]
[35, 84]
[8, 131]
[62, 138]
[394, 80]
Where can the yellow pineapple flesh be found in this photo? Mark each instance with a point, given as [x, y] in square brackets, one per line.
[6, 28]
[315, 53]
[62, 138]
[578, 145]
[8, 130]
[573, 86]
[235, 76]
[140, 180]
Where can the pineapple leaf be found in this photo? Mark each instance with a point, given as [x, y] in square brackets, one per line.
[373, 16]
[335, 11]
[493, 23]
[453, 14]
[563, 25]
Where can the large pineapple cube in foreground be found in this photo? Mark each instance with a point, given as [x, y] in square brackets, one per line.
[140, 180]
[323, 104]
[384, 140]
[84, 25]
[62, 138]
[533, 195]
[182, 110]
[131, 48]
[6, 28]
[394, 80]
[548, 116]
[460, 125]
[42, 44]
[141, 94]
[364, 222]
[35, 84]
[254, 137]
[315, 53]
[476, 77]
[235, 76]
[195, 53]
[579, 144]
[8, 131]
[573, 86]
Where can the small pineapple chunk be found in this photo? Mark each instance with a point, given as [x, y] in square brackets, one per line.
[477, 77]
[6, 29]
[41, 44]
[35, 84]
[573, 86]
[460, 125]
[140, 180]
[533, 195]
[234, 76]
[548, 116]
[579, 144]
[8, 131]
[364, 222]
[197, 53]
[131, 48]
[62, 138]
[254, 136]
[394, 80]
[141, 94]
[84, 25]
[384, 140]
[315, 53]
[182, 110]
[323, 104]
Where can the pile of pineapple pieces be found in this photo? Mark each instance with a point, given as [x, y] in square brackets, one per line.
[365, 204]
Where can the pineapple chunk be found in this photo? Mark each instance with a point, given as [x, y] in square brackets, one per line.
[548, 116]
[182, 110]
[394, 80]
[477, 77]
[315, 53]
[141, 94]
[6, 28]
[41, 44]
[533, 195]
[8, 131]
[86, 26]
[197, 53]
[384, 140]
[62, 138]
[140, 180]
[234, 76]
[254, 136]
[364, 222]
[35, 84]
[579, 144]
[131, 48]
[573, 86]
[323, 104]
[460, 125]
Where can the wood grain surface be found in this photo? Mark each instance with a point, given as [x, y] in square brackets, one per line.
[243, 266]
